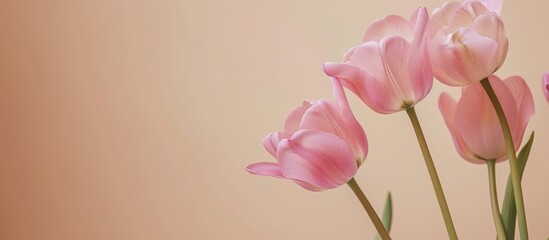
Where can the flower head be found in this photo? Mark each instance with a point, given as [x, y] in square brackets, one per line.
[321, 147]
[468, 41]
[473, 122]
[391, 70]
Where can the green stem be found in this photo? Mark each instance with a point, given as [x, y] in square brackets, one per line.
[433, 174]
[494, 200]
[515, 173]
[369, 209]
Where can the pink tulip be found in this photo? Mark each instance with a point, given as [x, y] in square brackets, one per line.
[468, 41]
[321, 147]
[546, 85]
[391, 70]
[473, 122]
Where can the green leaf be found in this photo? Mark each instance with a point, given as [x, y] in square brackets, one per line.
[387, 217]
[509, 211]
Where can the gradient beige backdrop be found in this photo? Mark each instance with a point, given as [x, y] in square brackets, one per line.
[135, 119]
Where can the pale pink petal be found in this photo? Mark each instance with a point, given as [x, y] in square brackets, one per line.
[545, 85]
[447, 107]
[367, 57]
[317, 158]
[324, 116]
[395, 52]
[491, 25]
[391, 25]
[464, 58]
[493, 5]
[367, 87]
[332, 118]
[420, 23]
[443, 16]
[349, 53]
[271, 141]
[293, 121]
[467, 13]
[354, 133]
[419, 64]
[524, 103]
[339, 93]
[265, 169]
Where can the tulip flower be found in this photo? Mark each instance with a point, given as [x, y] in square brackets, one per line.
[546, 85]
[468, 41]
[321, 147]
[473, 122]
[391, 70]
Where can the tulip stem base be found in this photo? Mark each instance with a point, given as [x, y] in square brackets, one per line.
[515, 173]
[369, 209]
[494, 200]
[433, 174]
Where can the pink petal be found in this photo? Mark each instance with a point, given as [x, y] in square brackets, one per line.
[420, 23]
[493, 5]
[419, 64]
[395, 52]
[367, 87]
[271, 141]
[265, 169]
[467, 13]
[293, 121]
[447, 107]
[354, 134]
[464, 58]
[443, 16]
[524, 103]
[391, 25]
[339, 94]
[317, 158]
[491, 25]
[332, 118]
[545, 83]
[324, 116]
[367, 57]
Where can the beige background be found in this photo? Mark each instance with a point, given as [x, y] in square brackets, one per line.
[135, 119]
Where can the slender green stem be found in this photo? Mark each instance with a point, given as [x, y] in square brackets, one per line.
[369, 209]
[433, 174]
[515, 173]
[494, 199]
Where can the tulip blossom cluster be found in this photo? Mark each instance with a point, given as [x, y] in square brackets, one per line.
[461, 44]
